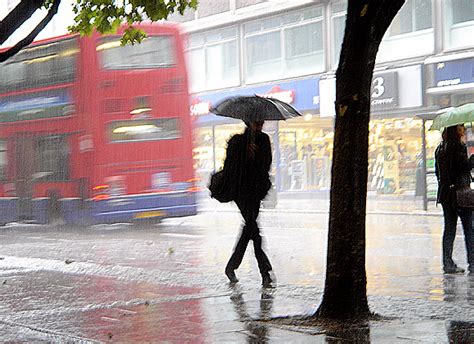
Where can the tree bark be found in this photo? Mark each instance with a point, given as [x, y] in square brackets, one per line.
[16, 17]
[345, 292]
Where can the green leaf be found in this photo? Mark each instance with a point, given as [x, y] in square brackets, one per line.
[106, 16]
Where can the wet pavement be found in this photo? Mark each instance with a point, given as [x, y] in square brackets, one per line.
[319, 203]
[165, 283]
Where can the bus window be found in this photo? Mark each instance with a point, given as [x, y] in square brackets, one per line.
[3, 160]
[38, 66]
[152, 52]
[53, 158]
[144, 130]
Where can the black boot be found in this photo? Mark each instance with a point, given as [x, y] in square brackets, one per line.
[231, 275]
[267, 281]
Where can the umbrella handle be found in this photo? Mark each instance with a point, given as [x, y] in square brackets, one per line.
[251, 144]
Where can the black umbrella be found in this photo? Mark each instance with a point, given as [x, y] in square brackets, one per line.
[255, 108]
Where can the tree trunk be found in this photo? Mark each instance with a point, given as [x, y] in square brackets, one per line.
[345, 292]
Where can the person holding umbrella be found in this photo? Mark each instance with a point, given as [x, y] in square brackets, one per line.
[250, 155]
[249, 158]
[453, 171]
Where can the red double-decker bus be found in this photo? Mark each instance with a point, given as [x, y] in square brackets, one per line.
[95, 132]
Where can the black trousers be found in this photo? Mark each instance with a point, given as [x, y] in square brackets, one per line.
[249, 208]
[451, 215]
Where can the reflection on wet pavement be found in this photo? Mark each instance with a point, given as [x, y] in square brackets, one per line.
[166, 283]
[257, 331]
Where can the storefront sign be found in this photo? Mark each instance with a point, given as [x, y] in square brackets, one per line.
[302, 94]
[384, 92]
[199, 107]
[449, 75]
[287, 96]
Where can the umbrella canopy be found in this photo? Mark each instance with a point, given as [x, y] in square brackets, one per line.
[255, 108]
[458, 115]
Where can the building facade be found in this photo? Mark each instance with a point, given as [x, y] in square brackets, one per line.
[290, 50]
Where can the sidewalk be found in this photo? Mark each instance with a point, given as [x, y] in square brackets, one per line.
[165, 283]
[376, 205]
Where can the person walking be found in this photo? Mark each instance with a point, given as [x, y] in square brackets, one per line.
[249, 157]
[453, 171]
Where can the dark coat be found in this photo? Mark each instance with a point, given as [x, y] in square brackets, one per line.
[250, 174]
[452, 168]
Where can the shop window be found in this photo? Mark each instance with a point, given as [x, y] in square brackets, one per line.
[213, 60]
[305, 153]
[3, 160]
[394, 155]
[53, 158]
[284, 46]
[415, 15]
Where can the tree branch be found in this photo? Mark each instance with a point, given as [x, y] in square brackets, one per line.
[28, 39]
[386, 9]
[17, 17]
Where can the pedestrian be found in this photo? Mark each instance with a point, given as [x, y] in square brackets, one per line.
[249, 156]
[453, 171]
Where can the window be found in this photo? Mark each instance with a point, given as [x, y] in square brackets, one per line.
[188, 15]
[463, 11]
[459, 25]
[213, 59]
[245, 3]
[3, 160]
[144, 130]
[263, 49]
[415, 15]
[211, 7]
[152, 52]
[39, 66]
[53, 158]
[338, 19]
[283, 46]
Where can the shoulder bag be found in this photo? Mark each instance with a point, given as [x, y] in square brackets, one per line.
[220, 187]
[465, 196]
